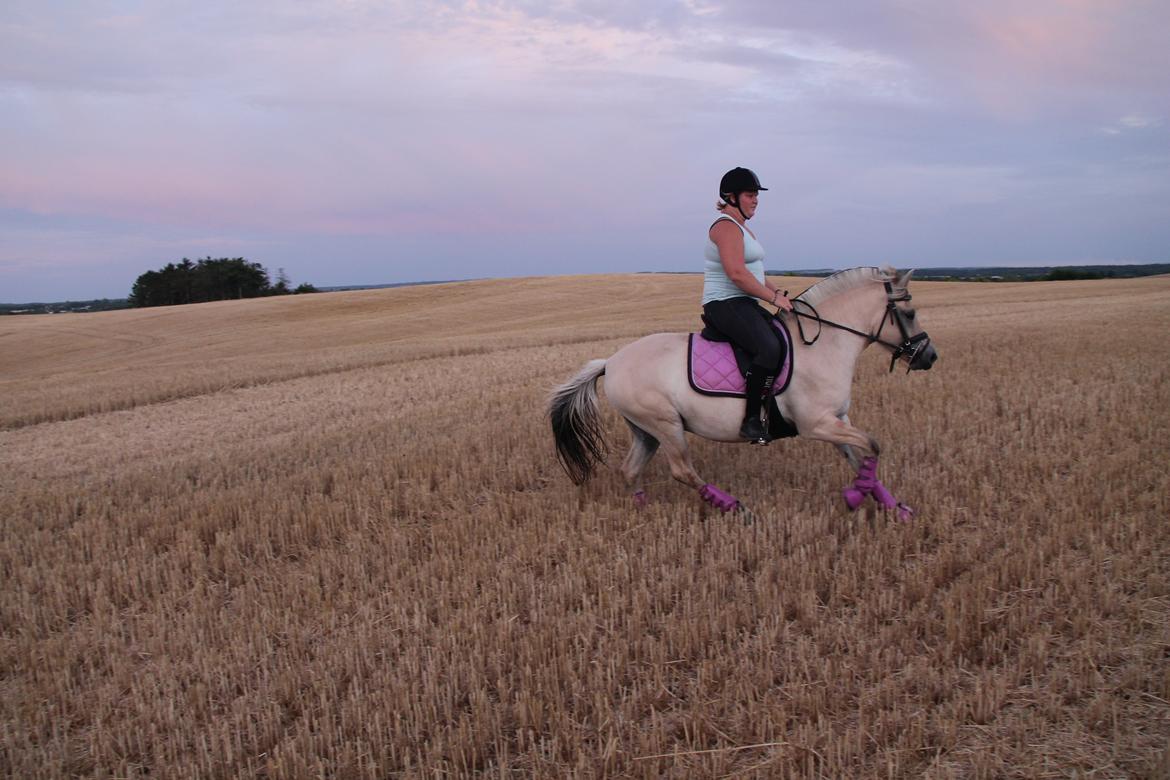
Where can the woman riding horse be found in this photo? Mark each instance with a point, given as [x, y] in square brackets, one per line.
[733, 280]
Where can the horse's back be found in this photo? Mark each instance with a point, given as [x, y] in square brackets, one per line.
[648, 355]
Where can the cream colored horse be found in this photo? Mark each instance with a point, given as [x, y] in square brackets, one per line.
[646, 382]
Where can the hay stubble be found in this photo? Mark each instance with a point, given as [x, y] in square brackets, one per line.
[327, 536]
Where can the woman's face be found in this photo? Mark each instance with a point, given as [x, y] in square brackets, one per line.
[748, 202]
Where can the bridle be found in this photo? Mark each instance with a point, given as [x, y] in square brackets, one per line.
[911, 346]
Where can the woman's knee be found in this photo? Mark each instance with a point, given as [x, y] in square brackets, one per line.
[768, 354]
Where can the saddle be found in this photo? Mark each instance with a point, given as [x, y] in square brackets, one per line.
[716, 366]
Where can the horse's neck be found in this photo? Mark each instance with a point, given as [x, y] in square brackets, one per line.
[855, 309]
[859, 308]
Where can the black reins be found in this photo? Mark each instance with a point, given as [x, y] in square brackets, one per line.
[911, 344]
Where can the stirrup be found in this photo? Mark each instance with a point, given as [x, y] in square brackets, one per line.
[754, 431]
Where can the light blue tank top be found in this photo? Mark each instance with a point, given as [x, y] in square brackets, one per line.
[716, 284]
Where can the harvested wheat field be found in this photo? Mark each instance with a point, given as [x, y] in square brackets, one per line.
[327, 536]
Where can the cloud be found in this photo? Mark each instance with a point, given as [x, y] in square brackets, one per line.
[1129, 123]
[494, 124]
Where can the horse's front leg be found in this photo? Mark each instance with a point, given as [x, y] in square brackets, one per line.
[850, 440]
[846, 450]
[839, 431]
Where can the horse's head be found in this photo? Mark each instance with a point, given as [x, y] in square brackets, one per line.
[895, 311]
[915, 347]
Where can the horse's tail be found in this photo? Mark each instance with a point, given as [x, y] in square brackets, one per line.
[576, 423]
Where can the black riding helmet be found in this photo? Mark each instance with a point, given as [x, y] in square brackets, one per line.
[738, 180]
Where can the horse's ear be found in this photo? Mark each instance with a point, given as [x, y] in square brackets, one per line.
[904, 278]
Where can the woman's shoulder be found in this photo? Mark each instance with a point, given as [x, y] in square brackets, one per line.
[721, 225]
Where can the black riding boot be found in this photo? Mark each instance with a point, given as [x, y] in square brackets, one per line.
[753, 428]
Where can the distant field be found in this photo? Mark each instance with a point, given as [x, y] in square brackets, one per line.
[326, 536]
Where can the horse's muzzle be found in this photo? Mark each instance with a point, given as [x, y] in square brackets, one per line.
[924, 358]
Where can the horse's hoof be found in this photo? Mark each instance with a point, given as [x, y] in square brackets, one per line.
[905, 513]
[853, 497]
[640, 499]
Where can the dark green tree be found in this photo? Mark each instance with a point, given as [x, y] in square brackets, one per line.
[209, 279]
[282, 283]
[1061, 274]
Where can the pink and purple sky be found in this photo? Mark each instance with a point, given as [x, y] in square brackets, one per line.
[354, 142]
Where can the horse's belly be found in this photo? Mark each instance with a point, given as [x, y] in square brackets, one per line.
[715, 418]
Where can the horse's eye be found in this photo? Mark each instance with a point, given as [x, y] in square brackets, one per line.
[910, 316]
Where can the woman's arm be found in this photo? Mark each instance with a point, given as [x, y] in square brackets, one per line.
[779, 299]
[729, 240]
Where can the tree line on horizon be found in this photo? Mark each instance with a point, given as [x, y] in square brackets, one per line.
[209, 279]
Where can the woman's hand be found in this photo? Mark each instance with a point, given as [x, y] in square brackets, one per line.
[780, 300]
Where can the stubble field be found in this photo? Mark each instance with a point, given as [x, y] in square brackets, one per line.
[327, 536]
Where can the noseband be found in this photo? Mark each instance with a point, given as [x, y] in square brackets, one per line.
[911, 346]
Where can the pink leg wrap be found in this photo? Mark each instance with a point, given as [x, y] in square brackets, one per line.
[882, 496]
[867, 484]
[724, 502]
[863, 485]
[640, 499]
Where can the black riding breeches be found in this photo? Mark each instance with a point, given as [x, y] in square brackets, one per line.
[747, 324]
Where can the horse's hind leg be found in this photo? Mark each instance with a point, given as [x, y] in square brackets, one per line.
[642, 449]
[672, 437]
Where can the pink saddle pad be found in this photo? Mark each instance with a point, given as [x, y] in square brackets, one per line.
[712, 369]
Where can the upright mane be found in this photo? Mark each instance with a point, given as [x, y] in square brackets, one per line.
[848, 279]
